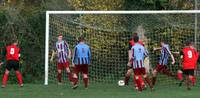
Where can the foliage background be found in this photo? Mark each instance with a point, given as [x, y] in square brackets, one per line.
[25, 20]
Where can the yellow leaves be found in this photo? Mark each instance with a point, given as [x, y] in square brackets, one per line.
[96, 4]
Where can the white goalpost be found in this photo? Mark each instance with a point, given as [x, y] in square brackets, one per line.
[49, 13]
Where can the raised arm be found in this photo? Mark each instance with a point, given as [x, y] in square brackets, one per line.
[172, 57]
[156, 49]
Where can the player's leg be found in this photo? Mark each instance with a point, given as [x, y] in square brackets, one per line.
[18, 73]
[59, 76]
[180, 75]
[137, 81]
[76, 70]
[191, 77]
[5, 78]
[146, 78]
[128, 75]
[142, 82]
[84, 70]
[6, 74]
[193, 80]
[69, 74]
[154, 77]
[167, 72]
[134, 81]
[157, 69]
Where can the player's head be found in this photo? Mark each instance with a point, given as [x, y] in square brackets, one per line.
[15, 42]
[189, 43]
[60, 37]
[136, 39]
[134, 34]
[81, 39]
[162, 42]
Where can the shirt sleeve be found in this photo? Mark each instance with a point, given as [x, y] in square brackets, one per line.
[89, 54]
[74, 56]
[129, 46]
[146, 53]
[168, 50]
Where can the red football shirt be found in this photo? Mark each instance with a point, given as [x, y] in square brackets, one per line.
[132, 43]
[12, 52]
[190, 56]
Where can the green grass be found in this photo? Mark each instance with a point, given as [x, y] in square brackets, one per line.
[95, 91]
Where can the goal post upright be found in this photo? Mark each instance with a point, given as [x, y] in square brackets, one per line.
[46, 49]
[48, 13]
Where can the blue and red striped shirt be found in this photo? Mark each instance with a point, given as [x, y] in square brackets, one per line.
[165, 53]
[82, 54]
[138, 55]
[62, 49]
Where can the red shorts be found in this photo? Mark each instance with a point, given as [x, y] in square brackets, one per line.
[139, 71]
[81, 68]
[63, 65]
[161, 68]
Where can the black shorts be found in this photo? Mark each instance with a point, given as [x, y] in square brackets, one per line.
[188, 72]
[12, 64]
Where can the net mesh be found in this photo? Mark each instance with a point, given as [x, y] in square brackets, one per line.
[108, 36]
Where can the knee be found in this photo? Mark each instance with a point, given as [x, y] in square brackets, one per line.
[85, 76]
[7, 72]
[129, 72]
[68, 70]
[136, 77]
[145, 76]
[75, 76]
[59, 71]
[154, 72]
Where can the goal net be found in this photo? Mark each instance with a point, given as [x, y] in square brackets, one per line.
[108, 35]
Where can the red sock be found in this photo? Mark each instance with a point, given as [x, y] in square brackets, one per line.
[134, 80]
[19, 77]
[5, 78]
[85, 80]
[59, 77]
[127, 77]
[141, 81]
[180, 75]
[75, 80]
[139, 84]
[193, 80]
[70, 76]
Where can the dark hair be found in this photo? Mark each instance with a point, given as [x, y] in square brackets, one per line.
[60, 34]
[136, 39]
[135, 34]
[81, 38]
[188, 43]
[14, 41]
[164, 41]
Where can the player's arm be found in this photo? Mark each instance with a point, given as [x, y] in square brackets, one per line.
[129, 51]
[146, 53]
[172, 56]
[131, 56]
[68, 49]
[156, 49]
[181, 59]
[74, 56]
[90, 55]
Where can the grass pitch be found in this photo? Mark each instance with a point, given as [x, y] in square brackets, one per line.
[95, 91]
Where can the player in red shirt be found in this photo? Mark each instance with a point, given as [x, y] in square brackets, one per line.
[129, 71]
[12, 55]
[189, 57]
